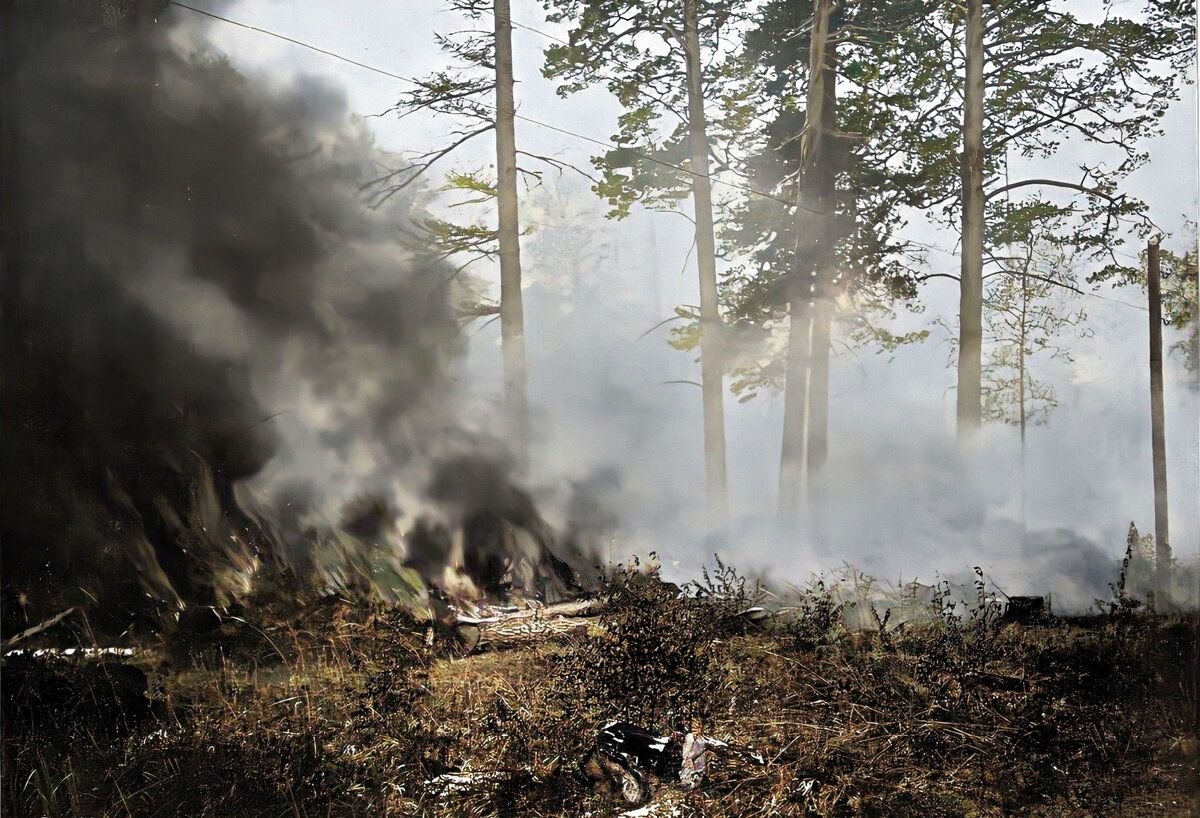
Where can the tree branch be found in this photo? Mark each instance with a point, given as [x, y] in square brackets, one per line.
[560, 165]
[416, 170]
[1091, 191]
[1056, 282]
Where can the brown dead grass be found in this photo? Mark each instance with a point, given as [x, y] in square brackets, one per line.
[340, 709]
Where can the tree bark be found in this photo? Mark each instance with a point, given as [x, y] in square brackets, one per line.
[818, 383]
[711, 364]
[806, 390]
[825, 268]
[1158, 437]
[512, 311]
[795, 398]
[1022, 337]
[1021, 374]
[532, 625]
[970, 305]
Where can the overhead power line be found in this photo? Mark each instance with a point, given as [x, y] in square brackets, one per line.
[539, 31]
[548, 126]
[291, 40]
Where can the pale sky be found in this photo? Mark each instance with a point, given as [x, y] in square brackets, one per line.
[598, 392]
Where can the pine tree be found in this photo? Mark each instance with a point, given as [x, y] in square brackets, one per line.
[661, 60]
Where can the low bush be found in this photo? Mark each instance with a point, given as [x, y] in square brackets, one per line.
[347, 711]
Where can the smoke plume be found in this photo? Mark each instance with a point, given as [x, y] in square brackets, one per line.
[211, 344]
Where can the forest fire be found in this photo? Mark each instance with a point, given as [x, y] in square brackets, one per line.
[150, 335]
[280, 534]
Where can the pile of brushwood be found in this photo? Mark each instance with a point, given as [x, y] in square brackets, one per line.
[305, 706]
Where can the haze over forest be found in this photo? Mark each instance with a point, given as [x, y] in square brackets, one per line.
[616, 424]
[899, 498]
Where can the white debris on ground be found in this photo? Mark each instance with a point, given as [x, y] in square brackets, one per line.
[666, 804]
[86, 652]
[447, 783]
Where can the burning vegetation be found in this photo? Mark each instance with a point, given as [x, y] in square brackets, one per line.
[231, 461]
[217, 359]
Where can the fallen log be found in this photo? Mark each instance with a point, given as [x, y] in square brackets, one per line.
[578, 607]
[533, 624]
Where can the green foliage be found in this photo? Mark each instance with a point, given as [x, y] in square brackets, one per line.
[1029, 302]
[466, 244]
[461, 94]
[878, 123]
[450, 93]
[471, 182]
[686, 337]
[649, 178]
[1055, 79]
[1135, 582]
[451, 238]
[1052, 78]
[1179, 288]
[636, 52]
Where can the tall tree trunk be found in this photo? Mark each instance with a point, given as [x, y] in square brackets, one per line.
[795, 399]
[1021, 373]
[512, 311]
[1158, 438]
[818, 382]
[970, 304]
[1022, 338]
[806, 390]
[825, 265]
[711, 365]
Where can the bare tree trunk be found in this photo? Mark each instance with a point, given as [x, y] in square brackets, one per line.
[795, 399]
[825, 269]
[970, 305]
[1021, 355]
[806, 391]
[512, 311]
[1021, 370]
[1158, 437]
[818, 383]
[711, 365]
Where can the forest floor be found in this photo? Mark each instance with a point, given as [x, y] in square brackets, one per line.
[334, 708]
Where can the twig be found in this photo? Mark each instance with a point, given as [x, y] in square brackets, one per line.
[36, 629]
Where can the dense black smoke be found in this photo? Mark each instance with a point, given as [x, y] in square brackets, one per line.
[194, 290]
[506, 542]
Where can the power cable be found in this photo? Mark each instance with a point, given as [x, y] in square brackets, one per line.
[583, 137]
[548, 126]
[539, 31]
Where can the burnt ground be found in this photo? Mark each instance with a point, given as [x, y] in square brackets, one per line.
[340, 708]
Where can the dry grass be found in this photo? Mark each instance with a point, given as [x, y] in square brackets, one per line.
[339, 709]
